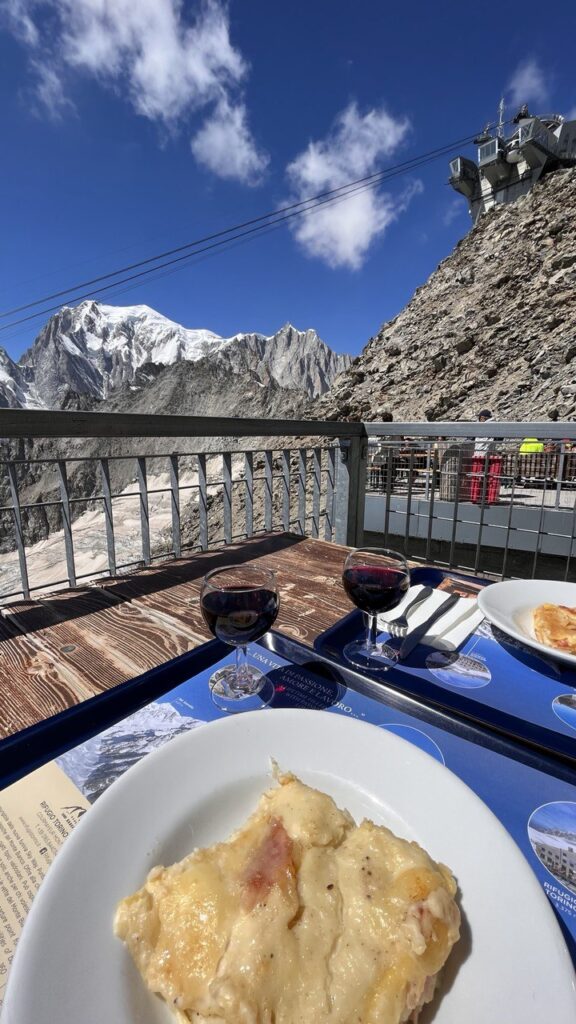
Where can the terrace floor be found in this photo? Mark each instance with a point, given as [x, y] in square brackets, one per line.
[524, 495]
[63, 648]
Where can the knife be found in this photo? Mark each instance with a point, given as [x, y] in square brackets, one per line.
[416, 635]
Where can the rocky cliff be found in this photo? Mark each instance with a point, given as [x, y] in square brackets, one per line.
[494, 326]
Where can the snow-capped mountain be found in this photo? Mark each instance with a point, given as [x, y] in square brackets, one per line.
[94, 350]
[16, 384]
[97, 763]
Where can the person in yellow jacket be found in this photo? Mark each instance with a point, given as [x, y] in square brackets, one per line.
[531, 445]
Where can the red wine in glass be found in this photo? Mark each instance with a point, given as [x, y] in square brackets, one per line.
[375, 580]
[239, 604]
[240, 616]
[374, 588]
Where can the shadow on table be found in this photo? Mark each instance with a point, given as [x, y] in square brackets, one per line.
[64, 605]
[528, 656]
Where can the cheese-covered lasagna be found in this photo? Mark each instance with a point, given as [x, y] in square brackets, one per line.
[301, 917]
[555, 626]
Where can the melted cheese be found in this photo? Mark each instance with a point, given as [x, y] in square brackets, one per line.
[555, 626]
[301, 917]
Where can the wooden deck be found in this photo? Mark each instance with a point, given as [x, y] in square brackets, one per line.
[61, 649]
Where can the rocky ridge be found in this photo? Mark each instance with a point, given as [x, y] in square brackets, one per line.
[494, 326]
[93, 351]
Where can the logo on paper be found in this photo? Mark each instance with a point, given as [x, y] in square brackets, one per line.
[72, 814]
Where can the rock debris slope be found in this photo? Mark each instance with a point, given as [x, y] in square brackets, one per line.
[494, 326]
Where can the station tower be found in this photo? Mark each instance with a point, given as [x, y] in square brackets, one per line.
[508, 167]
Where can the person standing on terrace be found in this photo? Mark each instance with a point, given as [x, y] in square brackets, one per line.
[486, 475]
[483, 444]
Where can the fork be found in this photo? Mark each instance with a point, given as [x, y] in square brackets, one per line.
[398, 627]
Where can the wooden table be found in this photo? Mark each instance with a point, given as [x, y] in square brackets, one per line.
[63, 648]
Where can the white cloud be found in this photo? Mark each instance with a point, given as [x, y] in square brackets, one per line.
[455, 208]
[17, 20]
[49, 92]
[224, 145]
[571, 115]
[342, 232]
[168, 66]
[529, 84]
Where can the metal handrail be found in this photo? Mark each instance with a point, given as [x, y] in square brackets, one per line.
[329, 481]
[332, 479]
[555, 431]
[44, 423]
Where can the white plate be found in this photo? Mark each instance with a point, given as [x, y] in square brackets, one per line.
[510, 605]
[69, 968]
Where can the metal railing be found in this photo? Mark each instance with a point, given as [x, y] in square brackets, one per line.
[496, 506]
[203, 497]
[429, 489]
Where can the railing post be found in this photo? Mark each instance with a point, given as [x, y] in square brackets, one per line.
[302, 491]
[249, 502]
[268, 486]
[431, 505]
[316, 484]
[227, 495]
[329, 506]
[144, 512]
[202, 503]
[560, 473]
[175, 500]
[286, 489]
[350, 490]
[19, 532]
[67, 523]
[108, 516]
[389, 466]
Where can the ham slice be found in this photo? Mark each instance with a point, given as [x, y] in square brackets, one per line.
[271, 864]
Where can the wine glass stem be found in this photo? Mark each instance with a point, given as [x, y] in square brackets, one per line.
[241, 665]
[371, 630]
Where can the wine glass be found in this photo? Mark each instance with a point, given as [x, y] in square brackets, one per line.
[375, 580]
[239, 604]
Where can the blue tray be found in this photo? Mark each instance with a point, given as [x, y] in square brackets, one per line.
[493, 679]
[526, 789]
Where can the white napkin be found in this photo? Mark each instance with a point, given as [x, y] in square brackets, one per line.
[447, 633]
[452, 630]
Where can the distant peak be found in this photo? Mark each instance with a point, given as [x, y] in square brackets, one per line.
[95, 349]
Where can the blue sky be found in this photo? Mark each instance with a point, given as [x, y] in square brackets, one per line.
[159, 122]
[557, 815]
